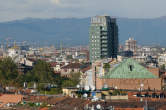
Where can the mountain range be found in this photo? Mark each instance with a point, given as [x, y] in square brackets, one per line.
[75, 31]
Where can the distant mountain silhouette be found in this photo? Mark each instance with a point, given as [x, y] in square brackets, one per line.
[75, 31]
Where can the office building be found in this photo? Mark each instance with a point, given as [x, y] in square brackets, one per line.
[103, 38]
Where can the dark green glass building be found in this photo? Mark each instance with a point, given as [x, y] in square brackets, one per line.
[103, 38]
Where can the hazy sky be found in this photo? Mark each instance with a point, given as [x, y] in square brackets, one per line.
[19, 9]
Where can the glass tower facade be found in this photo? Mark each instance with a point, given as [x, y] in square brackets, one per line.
[103, 38]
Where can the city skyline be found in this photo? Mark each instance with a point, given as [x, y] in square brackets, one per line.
[15, 10]
[82, 55]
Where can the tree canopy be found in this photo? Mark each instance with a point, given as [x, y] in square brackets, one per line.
[72, 81]
[41, 72]
[8, 71]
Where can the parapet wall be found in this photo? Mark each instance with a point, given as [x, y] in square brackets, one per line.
[130, 84]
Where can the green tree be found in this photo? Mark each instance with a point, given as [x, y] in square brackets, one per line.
[75, 77]
[162, 67]
[106, 67]
[69, 57]
[8, 72]
[72, 81]
[68, 83]
[42, 73]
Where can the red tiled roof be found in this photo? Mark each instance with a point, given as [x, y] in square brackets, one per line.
[32, 59]
[63, 103]
[86, 69]
[11, 98]
[45, 108]
[36, 98]
[53, 64]
[129, 108]
[163, 107]
[72, 65]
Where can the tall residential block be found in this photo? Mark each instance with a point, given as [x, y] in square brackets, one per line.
[103, 38]
[131, 45]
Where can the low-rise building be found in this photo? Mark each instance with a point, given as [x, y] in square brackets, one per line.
[7, 100]
[128, 75]
[162, 59]
[70, 68]
[70, 91]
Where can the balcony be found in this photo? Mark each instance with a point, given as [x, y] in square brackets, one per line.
[104, 38]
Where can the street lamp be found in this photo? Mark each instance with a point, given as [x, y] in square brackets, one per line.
[79, 90]
[92, 88]
[78, 86]
[92, 108]
[142, 85]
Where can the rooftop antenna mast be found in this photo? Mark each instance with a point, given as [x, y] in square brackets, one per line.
[14, 44]
[61, 48]
[7, 42]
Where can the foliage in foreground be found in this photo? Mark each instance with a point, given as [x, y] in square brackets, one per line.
[8, 72]
[42, 73]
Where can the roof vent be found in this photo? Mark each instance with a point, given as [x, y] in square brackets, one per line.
[131, 67]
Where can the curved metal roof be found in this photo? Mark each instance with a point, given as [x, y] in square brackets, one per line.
[129, 68]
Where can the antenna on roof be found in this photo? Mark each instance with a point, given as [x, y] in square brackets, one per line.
[61, 48]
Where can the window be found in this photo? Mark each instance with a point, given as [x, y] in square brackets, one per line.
[131, 67]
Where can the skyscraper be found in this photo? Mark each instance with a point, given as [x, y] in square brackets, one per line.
[103, 38]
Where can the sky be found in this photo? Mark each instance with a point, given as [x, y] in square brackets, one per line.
[21, 9]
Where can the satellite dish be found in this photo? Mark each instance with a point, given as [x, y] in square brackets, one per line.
[85, 95]
[98, 106]
[87, 88]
